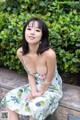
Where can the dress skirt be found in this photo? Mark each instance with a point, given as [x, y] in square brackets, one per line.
[40, 107]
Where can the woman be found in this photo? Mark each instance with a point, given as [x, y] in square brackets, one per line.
[40, 97]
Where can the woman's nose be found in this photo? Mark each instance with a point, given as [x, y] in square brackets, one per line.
[32, 31]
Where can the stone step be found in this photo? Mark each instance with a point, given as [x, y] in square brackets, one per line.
[9, 80]
[69, 104]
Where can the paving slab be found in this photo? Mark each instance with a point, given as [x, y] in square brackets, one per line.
[10, 79]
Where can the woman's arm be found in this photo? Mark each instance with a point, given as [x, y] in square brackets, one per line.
[19, 54]
[31, 79]
[32, 82]
[51, 62]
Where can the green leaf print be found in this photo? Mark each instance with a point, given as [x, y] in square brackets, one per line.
[52, 99]
[27, 109]
[4, 101]
[15, 99]
[26, 88]
[19, 94]
[38, 116]
[41, 103]
[55, 88]
[17, 110]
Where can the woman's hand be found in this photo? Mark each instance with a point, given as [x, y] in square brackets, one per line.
[33, 95]
[36, 94]
[44, 87]
[30, 97]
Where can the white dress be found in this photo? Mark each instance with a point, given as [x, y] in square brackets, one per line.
[39, 107]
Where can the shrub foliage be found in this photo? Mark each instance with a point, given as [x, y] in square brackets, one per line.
[63, 20]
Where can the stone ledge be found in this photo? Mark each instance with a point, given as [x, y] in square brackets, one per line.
[71, 97]
[69, 104]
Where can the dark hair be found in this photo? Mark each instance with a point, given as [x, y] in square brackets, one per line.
[44, 45]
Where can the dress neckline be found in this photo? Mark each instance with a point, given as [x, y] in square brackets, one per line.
[29, 72]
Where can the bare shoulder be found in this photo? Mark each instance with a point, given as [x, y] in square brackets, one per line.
[19, 51]
[50, 54]
[19, 54]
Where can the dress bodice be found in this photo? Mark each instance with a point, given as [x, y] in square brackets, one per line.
[56, 80]
[36, 75]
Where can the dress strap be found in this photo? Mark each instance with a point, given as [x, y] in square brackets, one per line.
[24, 64]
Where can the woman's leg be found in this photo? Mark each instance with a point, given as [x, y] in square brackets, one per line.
[31, 118]
[12, 115]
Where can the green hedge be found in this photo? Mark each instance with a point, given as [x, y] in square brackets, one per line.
[64, 30]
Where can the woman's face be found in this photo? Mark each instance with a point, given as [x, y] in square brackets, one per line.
[33, 33]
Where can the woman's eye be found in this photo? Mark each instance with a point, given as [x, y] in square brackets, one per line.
[28, 28]
[38, 30]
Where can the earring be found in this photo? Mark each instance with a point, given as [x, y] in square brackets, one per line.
[40, 42]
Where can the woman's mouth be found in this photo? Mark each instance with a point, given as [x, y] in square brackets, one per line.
[31, 37]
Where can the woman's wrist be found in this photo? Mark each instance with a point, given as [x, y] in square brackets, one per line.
[46, 82]
[45, 86]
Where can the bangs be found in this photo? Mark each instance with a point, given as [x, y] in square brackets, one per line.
[43, 27]
[33, 24]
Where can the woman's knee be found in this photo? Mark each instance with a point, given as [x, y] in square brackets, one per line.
[10, 111]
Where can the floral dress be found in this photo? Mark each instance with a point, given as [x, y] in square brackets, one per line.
[39, 107]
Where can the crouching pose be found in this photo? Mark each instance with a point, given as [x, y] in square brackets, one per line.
[40, 97]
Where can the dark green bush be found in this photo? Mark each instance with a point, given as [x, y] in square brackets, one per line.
[64, 29]
[70, 6]
[66, 42]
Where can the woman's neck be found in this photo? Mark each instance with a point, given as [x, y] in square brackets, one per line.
[33, 48]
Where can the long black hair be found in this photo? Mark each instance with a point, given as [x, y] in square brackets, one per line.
[44, 45]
